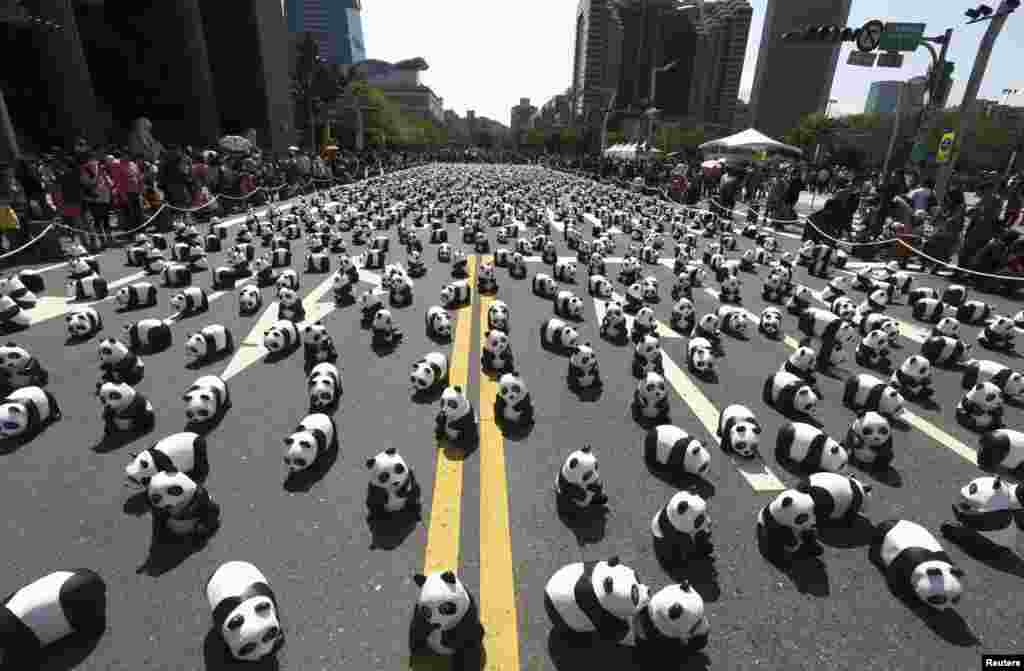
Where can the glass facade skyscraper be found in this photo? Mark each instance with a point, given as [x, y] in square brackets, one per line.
[336, 25]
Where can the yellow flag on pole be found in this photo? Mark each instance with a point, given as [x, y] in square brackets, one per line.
[945, 147]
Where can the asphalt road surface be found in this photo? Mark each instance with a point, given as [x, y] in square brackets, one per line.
[347, 598]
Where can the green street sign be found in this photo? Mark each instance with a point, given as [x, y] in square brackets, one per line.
[919, 153]
[901, 36]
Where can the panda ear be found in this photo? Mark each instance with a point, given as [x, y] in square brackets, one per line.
[448, 577]
[586, 449]
[370, 462]
[391, 451]
[997, 484]
[458, 389]
[419, 579]
[613, 561]
[957, 572]
[804, 487]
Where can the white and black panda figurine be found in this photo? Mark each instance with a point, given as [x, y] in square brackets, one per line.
[1009, 381]
[998, 334]
[769, 323]
[614, 324]
[733, 321]
[288, 279]
[838, 499]
[517, 266]
[138, 295]
[496, 352]
[439, 323]
[557, 335]
[245, 611]
[595, 599]
[456, 294]
[729, 290]
[82, 323]
[400, 291]
[446, 620]
[148, 336]
[869, 441]
[975, 313]
[647, 357]
[947, 326]
[317, 346]
[568, 305]
[931, 310]
[838, 286]
[682, 530]
[913, 379]
[211, 342]
[429, 373]
[873, 352]
[324, 387]
[673, 623]
[583, 370]
[920, 293]
[708, 328]
[25, 412]
[802, 363]
[634, 298]
[790, 395]
[787, 528]
[986, 513]
[289, 305]
[981, 408]
[1002, 449]
[799, 300]
[700, 357]
[915, 564]
[844, 308]
[513, 405]
[945, 351]
[456, 419]
[18, 368]
[282, 338]
[45, 611]
[460, 263]
[309, 446]
[498, 316]
[14, 288]
[565, 271]
[185, 452]
[12, 316]
[206, 400]
[650, 400]
[809, 448]
[392, 489]
[486, 278]
[176, 275]
[417, 267]
[578, 485]
[124, 409]
[599, 286]
[385, 333]
[739, 431]
[92, 287]
[866, 392]
[181, 507]
[249, 301]
[672, 451]
[191, 301]
[683, 315]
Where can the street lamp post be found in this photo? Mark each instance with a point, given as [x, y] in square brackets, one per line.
[931, 112]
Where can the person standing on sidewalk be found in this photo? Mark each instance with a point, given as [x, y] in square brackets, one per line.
[127, 198]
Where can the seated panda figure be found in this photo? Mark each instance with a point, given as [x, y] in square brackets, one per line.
[446, 620]
[578, 486]
[595, 600]
[245, 611]
[124, 409]
[869, 441]
[19, 368]
[181, 507]
[986, 511]
[392, 489]
[981, 408]
[682, 530]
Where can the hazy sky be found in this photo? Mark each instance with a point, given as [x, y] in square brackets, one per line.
[486, 54]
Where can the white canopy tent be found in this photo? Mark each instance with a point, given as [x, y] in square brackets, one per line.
[630, 151]
[750, 140]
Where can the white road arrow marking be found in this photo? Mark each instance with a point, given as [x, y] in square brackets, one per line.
[49, 307]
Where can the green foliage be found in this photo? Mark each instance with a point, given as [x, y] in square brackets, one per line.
[615, 137]
[315, 84]
[535, 138]
[673, 139]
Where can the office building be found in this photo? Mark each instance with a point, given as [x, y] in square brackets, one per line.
[792, 81]
[597, 57]
[718, 66]
[403, 86]
[209, 69]
[882, 97]
[336, 25]
[522, 115]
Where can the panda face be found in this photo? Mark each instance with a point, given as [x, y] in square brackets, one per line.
[650, 289]
[498, 315]
[1001, 326]
[443, 600]
[195, 348]
[421, 377]
[581, 468]
[497, 341]
[252, 630]
[947, 326]
[13, 357]
[805, 400]
[618, 589]
[645, 317]
[512, 389]
[79, 324]
[834, 457]
[878, 298]
[688, 513]
[737, 323]
[844, 308]
[14, 420]
[701, 358]
[771, 321]
[683, 309]
[459, 258]
[682, 282]
[201, 404]
[115, 396]
[287, 296]
[653, 387]
[300, 451]
[486, 271]
[170, 492]
[745, 438]
[917, 367]
[1013, 388]
[794, 509]
[708, 324]
[730, 284]
[873, 429]
[573, 307]
[315, 333]
[937, 583]
[876, 341]
[635, 291]
[454, 402]
[249, 300]
[583, 357]
[986, 396]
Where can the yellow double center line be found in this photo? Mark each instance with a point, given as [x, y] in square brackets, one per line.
[497, 589]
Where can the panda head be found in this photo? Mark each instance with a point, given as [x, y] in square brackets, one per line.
[635, 291]
[170, 491]
[836, 355]
[803, 358]
[443, 600]
[648, 347]
[583, 357]
[448, 294]
[195, 348]
[459, 257]
[937, 583]
[497, 341]
[1001, 326]
[986, 396]
[878, 299]
[249, 300]
[276, 339]
[300, 451]
[889, 326]
[736, 323]
[13, 356]
[573, 306]
[876, 341]
[498, 314]
[708, 323]
[873, 429]
[774, 280]
[287, 296]
[518, 259]
[345, 263]
[511, 388]
[834, 457]
[947, 326]
[618, 589]
[916, 367]
[200, 404]
[730, 283]
[1013, 388]
[744, 438]
[988, 494]
[252, 630]
[794, 509]
[650, 289]
[315, 333]
[415, 257]
[683, 309]
[15, 419]
[844, 308]
[115, 396]
[371, 300]
[486, 271]
[688, 512]
[112, 351]
[454, 403]
[580, 468]
[805, 400]
[653, 387]
[770, 321]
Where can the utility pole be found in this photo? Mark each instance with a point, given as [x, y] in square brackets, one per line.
[932, 111]
[966, 121]
[895, 131]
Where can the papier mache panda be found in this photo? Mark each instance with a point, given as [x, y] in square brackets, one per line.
[19, 368]
[249, 301]
[669, 450]
[245, 611]
[513, 405]
[583, 369]
[148, 336]
[496, 352]
[498, 316]
[27, 411]
[118, 363]
[682, 530]
[790, 395]
[739, 431]
[392, 488]
[138, 295]
[456, 420]
[185, 452]
[838, 499]
[324, 386]
[206, 400]
[865, 392]
[916, 565]
[945, 351]
[557, 335]
[317, 345]
[578, 485]
[446, 620]
[673, 623]
[211, 341]
[595, 599]
[981, 408]
[787, 528]
[913, 379]
[650, 400]
[283, 337]
[124, 409]
[809, 448]
[869, 441]
[438, 323]
[82, 323]
[429, 373]
[311, 443]
[987, 512]
[1010, 382]
[47, 610]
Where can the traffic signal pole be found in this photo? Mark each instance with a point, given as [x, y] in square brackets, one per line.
[932, 111]
[966, 120]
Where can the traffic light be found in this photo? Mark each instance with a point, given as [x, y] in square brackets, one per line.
[979, 12]
[1010, 5]
[822, 34]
